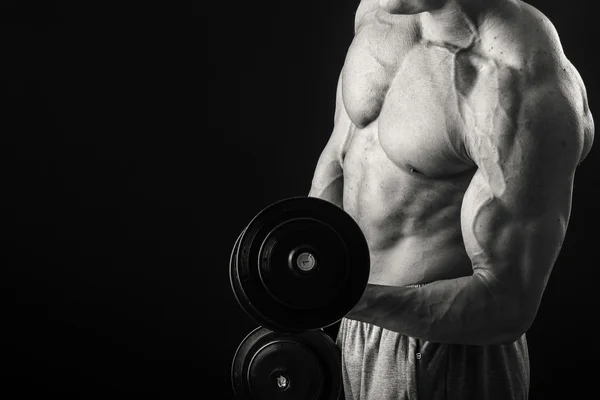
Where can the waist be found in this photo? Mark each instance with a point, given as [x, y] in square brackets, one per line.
[412, 263]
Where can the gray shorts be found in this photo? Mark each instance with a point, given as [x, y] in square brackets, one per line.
[378, 364]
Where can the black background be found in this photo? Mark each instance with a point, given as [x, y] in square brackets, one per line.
[135, 148]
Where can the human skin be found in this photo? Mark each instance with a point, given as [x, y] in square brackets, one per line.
[458, 129]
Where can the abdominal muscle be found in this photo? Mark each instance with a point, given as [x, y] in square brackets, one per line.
[411, 222]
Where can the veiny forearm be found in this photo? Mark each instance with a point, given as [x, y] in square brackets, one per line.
[459, 311]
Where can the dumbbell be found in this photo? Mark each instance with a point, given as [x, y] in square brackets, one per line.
[299, 266]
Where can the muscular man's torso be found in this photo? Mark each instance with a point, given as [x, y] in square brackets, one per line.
[411, 106]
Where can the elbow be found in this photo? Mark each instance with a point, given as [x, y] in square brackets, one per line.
[509, 312]
[505, 333]
[508, 335]
[512, 323]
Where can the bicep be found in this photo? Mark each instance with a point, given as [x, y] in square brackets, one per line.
[516, 209]
[328, 178]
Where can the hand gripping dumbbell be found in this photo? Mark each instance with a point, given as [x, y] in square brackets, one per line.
[300, 265]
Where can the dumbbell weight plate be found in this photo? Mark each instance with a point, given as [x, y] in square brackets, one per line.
[273, 365]
[301, 264]
[235, 282]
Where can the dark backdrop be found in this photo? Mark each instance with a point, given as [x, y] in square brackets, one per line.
[134, 150]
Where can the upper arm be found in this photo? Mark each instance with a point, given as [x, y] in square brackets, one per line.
[328, 178]
[517, 207]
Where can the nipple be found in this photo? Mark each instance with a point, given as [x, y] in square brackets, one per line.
[412, 169]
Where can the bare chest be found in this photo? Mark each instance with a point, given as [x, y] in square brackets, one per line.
[425, 99]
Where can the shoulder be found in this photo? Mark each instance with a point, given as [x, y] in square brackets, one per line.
[522, 37]
[365, 8]
[369, 13]
[524, 40]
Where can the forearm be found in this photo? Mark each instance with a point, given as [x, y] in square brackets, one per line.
[459, 311]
